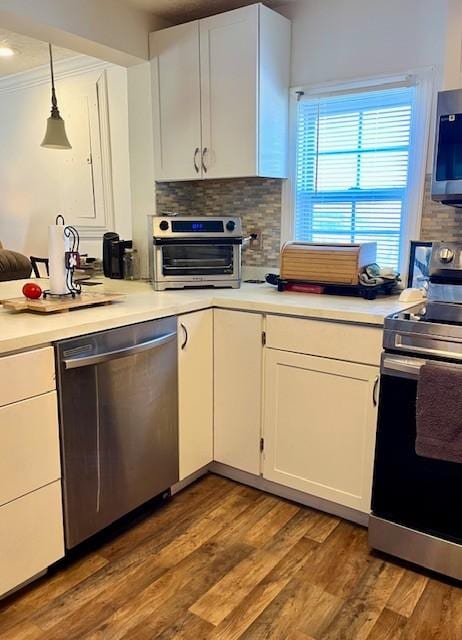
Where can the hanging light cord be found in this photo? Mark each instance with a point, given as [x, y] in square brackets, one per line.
[54, 102]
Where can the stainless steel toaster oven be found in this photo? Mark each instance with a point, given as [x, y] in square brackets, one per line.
[192, 251]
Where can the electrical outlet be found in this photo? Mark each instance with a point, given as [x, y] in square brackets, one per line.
[256, 241]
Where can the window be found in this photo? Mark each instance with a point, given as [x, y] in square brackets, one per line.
[352, 168]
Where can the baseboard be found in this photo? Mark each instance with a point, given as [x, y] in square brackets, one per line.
[289, 494]
[257, 482]
[38, 575]
[182, 484]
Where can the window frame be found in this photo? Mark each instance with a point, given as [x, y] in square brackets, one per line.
[419, 160]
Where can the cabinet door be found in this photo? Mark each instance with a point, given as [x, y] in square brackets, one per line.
[31, 535]
[195, 389]
[237, 389]
[176, 102]
[229, 83]
[319, 426]
[29, 446]
[27, 374]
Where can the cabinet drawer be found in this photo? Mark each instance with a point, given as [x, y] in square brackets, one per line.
[29, 446]
[28, 374]
[31, 536]
[353, 343]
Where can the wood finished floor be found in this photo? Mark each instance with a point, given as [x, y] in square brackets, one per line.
[222, 561]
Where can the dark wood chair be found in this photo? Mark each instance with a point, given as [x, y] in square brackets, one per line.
[35, 265]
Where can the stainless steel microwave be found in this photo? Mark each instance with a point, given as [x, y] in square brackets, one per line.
[447, 161]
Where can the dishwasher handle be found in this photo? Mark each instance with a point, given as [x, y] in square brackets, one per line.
[98, 358]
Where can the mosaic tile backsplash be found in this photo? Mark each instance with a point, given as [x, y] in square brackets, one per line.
[439, 222]
[256, 200]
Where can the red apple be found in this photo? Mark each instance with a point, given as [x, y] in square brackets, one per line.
[32, 290]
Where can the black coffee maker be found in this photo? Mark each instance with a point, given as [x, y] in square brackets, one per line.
[113, 254]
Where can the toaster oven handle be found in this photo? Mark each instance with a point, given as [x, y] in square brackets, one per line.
[99, 358]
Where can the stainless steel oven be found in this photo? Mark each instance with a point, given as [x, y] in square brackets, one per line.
[195, 252]
[415, 499]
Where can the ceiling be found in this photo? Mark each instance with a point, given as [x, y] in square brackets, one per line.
[176, 11]
[31, 53]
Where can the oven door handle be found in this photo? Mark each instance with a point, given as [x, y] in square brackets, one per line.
[98, 358]
[401, 367]
[197, 268]
[407, 367]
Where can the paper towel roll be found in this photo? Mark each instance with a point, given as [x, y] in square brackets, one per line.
[57, 247]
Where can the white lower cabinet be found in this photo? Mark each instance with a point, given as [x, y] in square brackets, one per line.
[29, 446]
[27, 374]
[319, 423]
[31, 535]
[31, 518]
[195, 390]
[237, 388]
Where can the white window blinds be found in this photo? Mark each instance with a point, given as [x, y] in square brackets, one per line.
[352, 168]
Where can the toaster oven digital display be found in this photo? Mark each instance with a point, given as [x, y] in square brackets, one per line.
[194, 226]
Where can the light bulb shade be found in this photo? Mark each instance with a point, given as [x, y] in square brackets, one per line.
[55, 135]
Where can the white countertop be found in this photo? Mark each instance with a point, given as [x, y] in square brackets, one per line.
[23, 330]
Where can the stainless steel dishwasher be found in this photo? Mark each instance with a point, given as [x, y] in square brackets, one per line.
[118, 397]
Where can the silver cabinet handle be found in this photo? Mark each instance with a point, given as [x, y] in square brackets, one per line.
[98, 358]
[374, 391]
[185, 341]
[204, 153]
[196, 166]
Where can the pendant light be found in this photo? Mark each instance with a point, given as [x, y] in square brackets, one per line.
[55, 135]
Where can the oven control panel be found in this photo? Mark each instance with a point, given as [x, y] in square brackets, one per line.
[447, 256]
[193, 227]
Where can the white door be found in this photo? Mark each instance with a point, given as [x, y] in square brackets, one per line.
[229, 82]
[195, 389]
[237, 389]
[319, 423]
[176, 102]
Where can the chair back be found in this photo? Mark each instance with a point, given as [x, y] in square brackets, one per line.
[35, 265]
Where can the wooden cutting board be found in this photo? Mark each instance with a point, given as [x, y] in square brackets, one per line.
[55, 305]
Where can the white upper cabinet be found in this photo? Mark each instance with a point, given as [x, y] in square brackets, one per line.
[221, 86]
[229, 90]
[177, 102]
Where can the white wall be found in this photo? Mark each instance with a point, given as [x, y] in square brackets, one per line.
[453, 54]
[141, 157]
[31, 193]
[106, 29]
[338, 40]
[120, 151]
